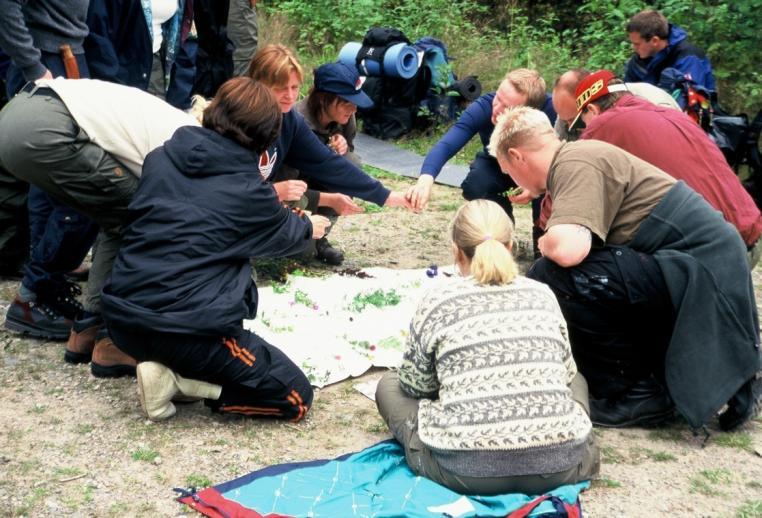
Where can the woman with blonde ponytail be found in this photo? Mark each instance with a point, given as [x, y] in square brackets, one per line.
[488, 399]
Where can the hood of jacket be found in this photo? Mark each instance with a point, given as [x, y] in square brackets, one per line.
[200, 152]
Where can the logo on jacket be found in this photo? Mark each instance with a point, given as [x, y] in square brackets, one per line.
[267, 162]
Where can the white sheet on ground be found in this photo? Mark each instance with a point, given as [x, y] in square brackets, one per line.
[313, 322]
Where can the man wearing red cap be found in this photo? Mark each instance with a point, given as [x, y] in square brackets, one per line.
[653, 282]
[673, 143]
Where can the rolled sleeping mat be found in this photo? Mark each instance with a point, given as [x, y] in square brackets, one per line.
[400, 60]
[434, 58]
[469, 88]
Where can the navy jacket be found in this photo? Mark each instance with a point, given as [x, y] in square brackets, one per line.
[298, 147]
[200, 212]
[477, 118]
[687, 59]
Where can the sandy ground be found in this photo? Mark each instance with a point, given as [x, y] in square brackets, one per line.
[71, 444]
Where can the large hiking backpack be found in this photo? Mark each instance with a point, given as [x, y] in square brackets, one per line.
[739, 142]
[433, 95]
[395, 99]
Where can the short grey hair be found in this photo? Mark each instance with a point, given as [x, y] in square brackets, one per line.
[518, 126]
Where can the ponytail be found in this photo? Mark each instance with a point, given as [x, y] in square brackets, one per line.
[483, 232]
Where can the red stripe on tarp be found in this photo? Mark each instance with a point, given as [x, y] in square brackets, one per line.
[210, 502]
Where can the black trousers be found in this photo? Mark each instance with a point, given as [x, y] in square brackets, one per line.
[619, 314]
[257, 379]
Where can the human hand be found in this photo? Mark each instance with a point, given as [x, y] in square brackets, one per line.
[521, 198]
[46, 75]
[338, 143]
[319, 224]
[341, 203]
[418, 195]
[398, 199]
[290, 190]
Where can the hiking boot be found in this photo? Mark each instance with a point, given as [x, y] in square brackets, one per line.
[327, 253]
[80, 274]
[646, 403]
[744, 405]
[37, 320]
[61, 296]
[79, 348]
[108, 360]
[158, 385]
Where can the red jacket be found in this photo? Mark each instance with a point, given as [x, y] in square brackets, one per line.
[675, 144]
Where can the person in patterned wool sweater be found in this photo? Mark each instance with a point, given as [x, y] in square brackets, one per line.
[488, 399]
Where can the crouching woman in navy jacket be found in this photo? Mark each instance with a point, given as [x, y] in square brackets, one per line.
[181, 285]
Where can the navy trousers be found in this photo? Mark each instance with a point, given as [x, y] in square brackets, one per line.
[619, 315]
[257, 379]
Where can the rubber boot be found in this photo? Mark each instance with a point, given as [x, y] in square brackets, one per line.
[158, 385]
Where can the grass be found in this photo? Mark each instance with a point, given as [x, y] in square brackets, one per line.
[379, 174]
[706, 480]
[666, 434]
[660, 456]
[738, 440]
[368, 207]
[421, 143]
[145, 454]
[197, 481]
[606, 483]
[750, 509]
[611, 456]
[31, 501]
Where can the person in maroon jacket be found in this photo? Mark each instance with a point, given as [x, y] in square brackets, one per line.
[672, 142]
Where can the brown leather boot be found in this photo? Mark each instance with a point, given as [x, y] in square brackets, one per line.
[109, 361]
[79, 349]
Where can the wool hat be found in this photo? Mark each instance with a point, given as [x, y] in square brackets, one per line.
[344, 81]
[591, 88]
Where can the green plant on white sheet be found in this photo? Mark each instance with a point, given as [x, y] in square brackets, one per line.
[275, 329]
[378, 298]
[281, 288]
[313, 375]
[391, 342]
[301, 297]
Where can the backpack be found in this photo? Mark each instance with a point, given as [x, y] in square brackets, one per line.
[395, 99]
[433, 95]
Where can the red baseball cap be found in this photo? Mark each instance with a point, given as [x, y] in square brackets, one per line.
[592, 87]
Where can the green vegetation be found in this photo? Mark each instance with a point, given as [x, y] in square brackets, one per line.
[490, 37]
[750, 509]
[378, 298]
[197, 481]
[607, 482]
[707, 479]
[145, 454]
[738, 440]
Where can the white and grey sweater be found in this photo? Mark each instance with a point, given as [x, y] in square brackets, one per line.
[493, 366]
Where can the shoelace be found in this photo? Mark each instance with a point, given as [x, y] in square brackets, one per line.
[49, 312]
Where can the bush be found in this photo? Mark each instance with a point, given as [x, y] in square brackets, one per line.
[490, 37]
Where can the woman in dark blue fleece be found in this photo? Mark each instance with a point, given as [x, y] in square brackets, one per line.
[181, 285]
[297, 146]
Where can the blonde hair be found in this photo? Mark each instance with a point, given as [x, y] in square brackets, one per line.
[482, 231]
[530, 83]
[273, 64]
[518, 126]
[198, 105]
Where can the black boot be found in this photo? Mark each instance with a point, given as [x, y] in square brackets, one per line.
[327, 253]
[744, 405]
[646, 403]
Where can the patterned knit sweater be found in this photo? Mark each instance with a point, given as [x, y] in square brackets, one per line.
[493, 366]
